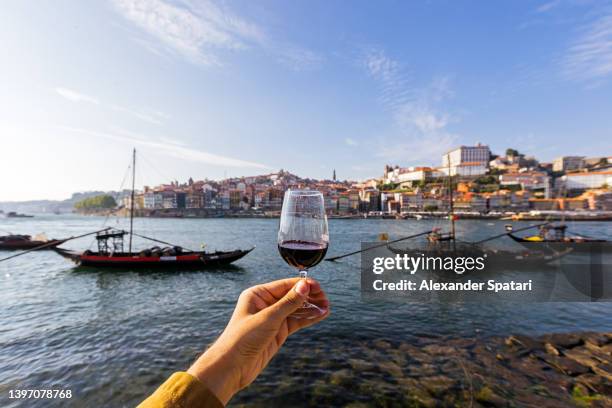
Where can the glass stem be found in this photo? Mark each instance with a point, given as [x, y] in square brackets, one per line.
[303, 275]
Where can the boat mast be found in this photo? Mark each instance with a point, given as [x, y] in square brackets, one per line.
[451, 214]
[132, 197]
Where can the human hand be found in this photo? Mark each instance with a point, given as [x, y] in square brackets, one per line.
[259, 326]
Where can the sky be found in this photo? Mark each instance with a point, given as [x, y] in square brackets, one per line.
[214, 89]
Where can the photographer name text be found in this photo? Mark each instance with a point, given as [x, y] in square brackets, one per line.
[430, 285]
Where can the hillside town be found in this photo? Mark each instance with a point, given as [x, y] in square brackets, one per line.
[484, 184]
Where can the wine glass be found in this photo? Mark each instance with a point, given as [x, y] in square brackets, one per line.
[303, 237]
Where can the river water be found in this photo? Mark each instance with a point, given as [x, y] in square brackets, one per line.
[113, 336]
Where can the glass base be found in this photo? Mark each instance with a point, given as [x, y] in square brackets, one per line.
[307, 311]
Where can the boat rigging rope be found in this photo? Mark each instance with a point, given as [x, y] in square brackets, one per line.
[160, 241]
[116, 197]
[508, 233]
[581, 235]
[146, 161]
[379, 245]
[150, 168]
[51, 244]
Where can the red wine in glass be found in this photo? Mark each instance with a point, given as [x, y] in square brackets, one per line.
[302, 254]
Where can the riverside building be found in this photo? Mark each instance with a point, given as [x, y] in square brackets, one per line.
[466, 160]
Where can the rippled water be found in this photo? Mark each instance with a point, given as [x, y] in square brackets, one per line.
[112, 337]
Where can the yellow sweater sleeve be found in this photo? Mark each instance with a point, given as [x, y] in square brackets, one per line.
[182, 390]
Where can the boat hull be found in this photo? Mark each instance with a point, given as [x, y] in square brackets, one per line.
[27, 244]
[191, 260]
[585, 246]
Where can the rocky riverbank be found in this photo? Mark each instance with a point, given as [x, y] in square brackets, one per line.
[556, 370]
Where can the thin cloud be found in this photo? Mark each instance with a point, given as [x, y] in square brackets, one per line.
[351, 142]
[380, 66]
[171, 149]
[420, 116]
[154, 117]
[183, 31]
[419, 150]
[296, 58]
[547, 6]
[75, 96]
[417, 112]
[170, 140]
[161, 115]
[151, 118]
[200, 30]
[589, 57]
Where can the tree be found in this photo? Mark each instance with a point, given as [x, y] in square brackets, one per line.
[512, 152]
[487, 179]
[99, 202]
[388, 186]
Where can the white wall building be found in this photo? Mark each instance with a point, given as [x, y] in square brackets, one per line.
[153, 200]
[529, 180]
[467, 154]
[414, 174]
[466, 160]
[586, 180]
[169, 200]
[409, 174]
[568, 163]
[472, 169]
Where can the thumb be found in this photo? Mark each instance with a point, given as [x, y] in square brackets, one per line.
[292, 301]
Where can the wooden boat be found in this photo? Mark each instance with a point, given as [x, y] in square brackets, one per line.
[111, 254]
[494, 257]
[553, 238]
[19, 242]
[13, 214]
[143, 260]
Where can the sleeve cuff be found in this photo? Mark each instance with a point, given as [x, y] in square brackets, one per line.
[182, 390]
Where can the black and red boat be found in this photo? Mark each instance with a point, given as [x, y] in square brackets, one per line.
[167, 258]
[111, 254]
[191, 260]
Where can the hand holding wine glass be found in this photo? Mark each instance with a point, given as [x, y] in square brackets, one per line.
[303, 235]
[260, 324]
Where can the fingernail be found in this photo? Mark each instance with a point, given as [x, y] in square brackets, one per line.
[322, 310]
[302, 288]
